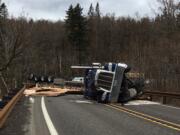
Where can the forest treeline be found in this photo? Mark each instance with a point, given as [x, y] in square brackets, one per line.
[149, 45]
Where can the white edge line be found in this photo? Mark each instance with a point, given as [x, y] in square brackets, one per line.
[49, 123]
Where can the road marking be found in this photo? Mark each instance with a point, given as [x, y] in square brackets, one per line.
[49, 123]
[146, 117]
[81, 101]
[141, 102]
[31, 99]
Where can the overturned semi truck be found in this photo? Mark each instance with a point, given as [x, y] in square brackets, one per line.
[109, 83]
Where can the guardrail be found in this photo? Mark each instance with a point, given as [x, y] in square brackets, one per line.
[4, 113]
[164, 95]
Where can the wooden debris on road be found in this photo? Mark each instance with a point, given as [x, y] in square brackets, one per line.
[51, 91]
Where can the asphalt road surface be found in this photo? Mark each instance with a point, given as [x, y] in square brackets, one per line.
[73, 115]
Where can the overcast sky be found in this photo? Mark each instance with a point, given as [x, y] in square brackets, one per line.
[55, 9]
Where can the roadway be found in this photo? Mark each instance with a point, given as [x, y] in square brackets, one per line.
[73, 115]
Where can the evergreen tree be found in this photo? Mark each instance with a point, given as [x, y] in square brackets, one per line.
[91, 11]
[70, 24]
[3, 10]
[3, 17]
[97, 10]
[76, 29]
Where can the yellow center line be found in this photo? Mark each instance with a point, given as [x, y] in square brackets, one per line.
[142, 117]
[146, 115]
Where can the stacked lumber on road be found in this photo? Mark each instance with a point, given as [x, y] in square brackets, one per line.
[51, 91]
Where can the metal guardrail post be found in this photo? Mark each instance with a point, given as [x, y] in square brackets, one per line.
[164, 100]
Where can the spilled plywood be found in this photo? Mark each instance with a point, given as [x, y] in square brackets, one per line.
[51, 91]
